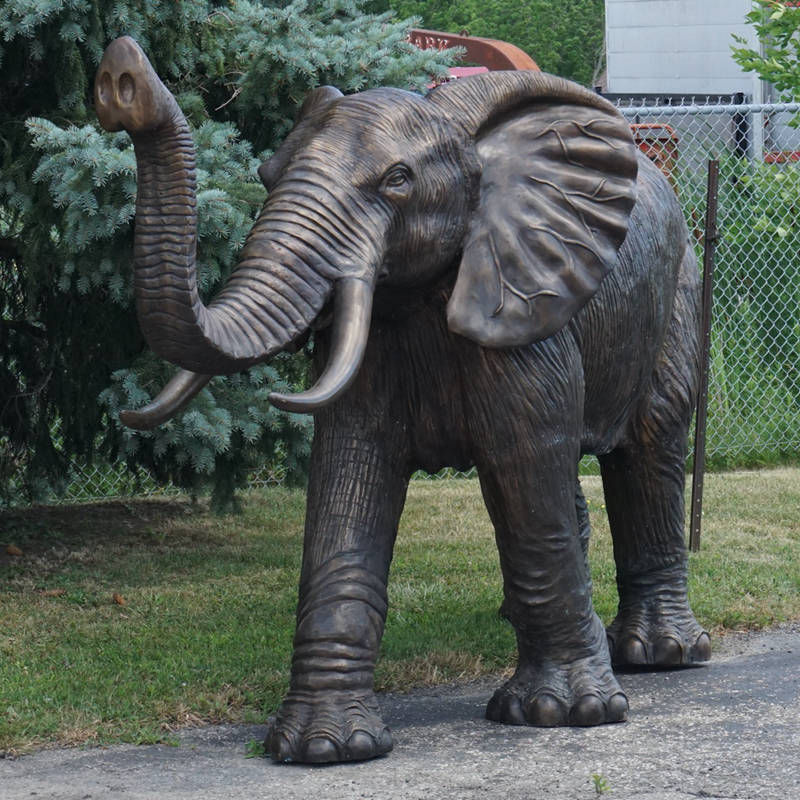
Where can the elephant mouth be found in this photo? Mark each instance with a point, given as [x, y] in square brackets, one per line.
[321, 322]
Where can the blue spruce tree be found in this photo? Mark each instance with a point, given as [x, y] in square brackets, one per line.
[71, 355]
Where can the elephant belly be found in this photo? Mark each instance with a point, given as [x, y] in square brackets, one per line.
[477, 406]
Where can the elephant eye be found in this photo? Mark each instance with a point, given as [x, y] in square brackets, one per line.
[396, 179]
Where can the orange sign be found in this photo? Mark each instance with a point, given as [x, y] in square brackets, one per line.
[490, 53]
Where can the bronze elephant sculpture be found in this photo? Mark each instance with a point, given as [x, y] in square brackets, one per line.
[496, 277]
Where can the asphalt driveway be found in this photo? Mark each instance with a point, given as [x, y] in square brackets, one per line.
[730, 729]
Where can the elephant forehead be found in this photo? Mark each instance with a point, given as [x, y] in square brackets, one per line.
[385, 106]
[380, 125]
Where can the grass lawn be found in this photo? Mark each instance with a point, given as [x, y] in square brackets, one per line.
[127, 620]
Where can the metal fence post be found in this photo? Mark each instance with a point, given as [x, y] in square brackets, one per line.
[709, 245]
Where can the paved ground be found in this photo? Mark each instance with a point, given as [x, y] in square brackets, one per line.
[727, 730]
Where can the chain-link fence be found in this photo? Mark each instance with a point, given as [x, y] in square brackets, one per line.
[754, 394]
[99, 481]
[754, 383]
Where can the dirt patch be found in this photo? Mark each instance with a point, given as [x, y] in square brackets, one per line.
[42, 531]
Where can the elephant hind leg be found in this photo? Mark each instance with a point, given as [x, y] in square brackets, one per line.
[654, 624]
[644, 481]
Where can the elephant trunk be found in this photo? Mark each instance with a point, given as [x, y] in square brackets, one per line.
[280, 285]
[273, 295]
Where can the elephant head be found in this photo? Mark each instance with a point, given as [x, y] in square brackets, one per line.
[521, 180]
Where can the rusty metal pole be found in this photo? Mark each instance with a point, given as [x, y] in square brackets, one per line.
[709, 246]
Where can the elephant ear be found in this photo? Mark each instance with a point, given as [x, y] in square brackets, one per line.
[557, 186]
[316, 101]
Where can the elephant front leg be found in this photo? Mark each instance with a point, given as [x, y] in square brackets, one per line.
[564, 674]
[331, 713]
[355, 496]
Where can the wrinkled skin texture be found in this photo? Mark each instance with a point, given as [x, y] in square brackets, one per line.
[523, 294]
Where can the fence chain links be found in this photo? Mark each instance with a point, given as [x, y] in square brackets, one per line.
[754, 382]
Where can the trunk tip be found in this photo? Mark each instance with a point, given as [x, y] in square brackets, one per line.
[128, 95]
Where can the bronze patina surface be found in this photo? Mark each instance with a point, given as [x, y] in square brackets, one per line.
[511, 287]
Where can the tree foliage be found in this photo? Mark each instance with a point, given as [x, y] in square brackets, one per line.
[777, 24]
[71, 355]
[564, 37]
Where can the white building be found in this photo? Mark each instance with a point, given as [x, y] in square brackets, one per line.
[678, 47]
[679, 52]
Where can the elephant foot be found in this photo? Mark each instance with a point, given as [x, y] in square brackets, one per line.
[657, 628]
[318, 729]
[580, 693]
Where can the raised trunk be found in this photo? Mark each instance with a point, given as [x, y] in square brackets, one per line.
[279, 286]
[270, 300]
[284, 277]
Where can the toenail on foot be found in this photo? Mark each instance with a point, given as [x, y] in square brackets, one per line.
[618, 708]
[385, 741]
[493, 708]
[320, 750]
[702, 648]
[279, 747]
[546, 711]
[633, 651]
[589, 710]
[668, 652]
[511, 710]
[360, 746]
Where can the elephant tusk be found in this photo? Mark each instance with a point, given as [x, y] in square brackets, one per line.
[350, 329]
[177, 393]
